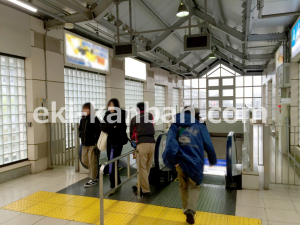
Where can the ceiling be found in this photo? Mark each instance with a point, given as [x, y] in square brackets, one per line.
[243, 37]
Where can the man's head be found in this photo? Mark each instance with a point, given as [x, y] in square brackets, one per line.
[141, 106]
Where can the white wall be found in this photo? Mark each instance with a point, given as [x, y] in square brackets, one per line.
[18, 36]
[14, 32]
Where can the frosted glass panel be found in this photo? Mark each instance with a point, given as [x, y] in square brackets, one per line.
[12, 110]
[160, 99]
[176, 99]
[82, 87]
[134, 93]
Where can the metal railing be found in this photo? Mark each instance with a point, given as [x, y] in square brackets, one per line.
[64, 144]
[129, 177]
[284, 154]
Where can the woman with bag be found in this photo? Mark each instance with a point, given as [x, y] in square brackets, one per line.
[114, 124]
[89, 132]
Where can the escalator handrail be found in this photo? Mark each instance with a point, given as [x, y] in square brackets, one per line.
[156, 155]
[230, 139]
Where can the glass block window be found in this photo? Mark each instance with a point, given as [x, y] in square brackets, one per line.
[13, 135]
[82, 87]
[176, 101]
[223, 87]
[134, 93]
[160, 100]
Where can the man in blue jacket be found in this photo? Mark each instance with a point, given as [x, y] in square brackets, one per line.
[187, 139]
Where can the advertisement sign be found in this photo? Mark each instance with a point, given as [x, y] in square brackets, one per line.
[86, 54]
[295, 39]
[279, 56]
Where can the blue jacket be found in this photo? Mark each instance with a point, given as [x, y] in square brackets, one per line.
[186, 142]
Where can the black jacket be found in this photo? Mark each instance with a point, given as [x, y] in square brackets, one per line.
[116, 131]
[141, 130]
[89, 132]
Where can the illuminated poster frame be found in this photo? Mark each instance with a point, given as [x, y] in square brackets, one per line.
[295, 41]
[106, 50]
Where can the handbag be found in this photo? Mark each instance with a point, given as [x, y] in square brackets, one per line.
[102, 141]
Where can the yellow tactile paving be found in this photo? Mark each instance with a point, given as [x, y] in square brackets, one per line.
[154, 211]
[64, 212]
[127, 207]
[81, 201]
[87, 210]
[175, 215]
[60, 199]
[41, 208]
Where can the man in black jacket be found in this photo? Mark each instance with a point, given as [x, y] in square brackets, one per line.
[142, 131]
[89, 132]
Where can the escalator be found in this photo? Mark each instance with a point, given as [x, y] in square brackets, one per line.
[227, 172]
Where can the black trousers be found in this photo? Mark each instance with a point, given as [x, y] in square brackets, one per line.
[116, 153]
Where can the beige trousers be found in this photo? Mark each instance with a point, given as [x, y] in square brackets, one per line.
[89, 158]
[146, 151]
[189, 191]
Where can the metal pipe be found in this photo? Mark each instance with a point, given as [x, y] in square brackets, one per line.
[205, 15]
[128, 166]
[76, 150]
[160, 30]
[101, 191]
[130, 20]
[118, 26]
[116, 173]
[138, 175]
[279, 15]
[190, 17]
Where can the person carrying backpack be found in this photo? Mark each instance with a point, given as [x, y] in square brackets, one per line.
[142, 131]
[186, 142]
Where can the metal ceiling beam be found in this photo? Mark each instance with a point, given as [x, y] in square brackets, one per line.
[166, 34]
[261, 56]
[222, 27]
[225, 57]
[112, 27]
[78, 8]
[248, 24]
[266, 37]
[200, 62]
[228, 48]
[255, 67]
[154, 12]
[210, 67]
[99, 10]
[261, 16]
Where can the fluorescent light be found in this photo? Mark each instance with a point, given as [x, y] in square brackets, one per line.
[212, 55]
[23, 5]
[182, 10]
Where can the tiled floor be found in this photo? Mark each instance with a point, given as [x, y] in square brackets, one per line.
[50, 180]
[278, 206]
[87, 210]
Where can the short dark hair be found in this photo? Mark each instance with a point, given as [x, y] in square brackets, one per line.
[141, 106]
[115, 102]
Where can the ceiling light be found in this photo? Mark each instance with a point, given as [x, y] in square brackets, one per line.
[19, 3]
[182, 10]
[212, 55]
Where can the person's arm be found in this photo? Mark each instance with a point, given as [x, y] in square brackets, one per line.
[208, 146]
[172, 147]
[97, 127]
[106, 127]
[80, 128]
